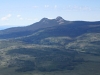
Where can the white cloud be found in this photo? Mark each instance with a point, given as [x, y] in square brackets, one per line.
[21, 18]
[18, 16]
[9, 15]
[46, 6]
[6, 17]
[35, 6]
[55, 6]
[86, 8]
[77, 8]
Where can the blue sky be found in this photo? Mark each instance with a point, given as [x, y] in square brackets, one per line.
[25, 12]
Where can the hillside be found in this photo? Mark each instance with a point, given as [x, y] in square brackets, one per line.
[28, 30]
[51, 47]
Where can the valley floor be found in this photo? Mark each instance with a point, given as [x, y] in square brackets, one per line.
[89, 67]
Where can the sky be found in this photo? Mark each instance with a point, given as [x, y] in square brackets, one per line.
[25, 12]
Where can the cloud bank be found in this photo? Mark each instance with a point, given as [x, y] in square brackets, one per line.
[6, 17]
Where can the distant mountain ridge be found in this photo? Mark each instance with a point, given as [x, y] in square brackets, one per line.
[27, 30]
[43, 23]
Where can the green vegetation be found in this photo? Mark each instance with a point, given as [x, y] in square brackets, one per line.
[46, 59]
[72, 48]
